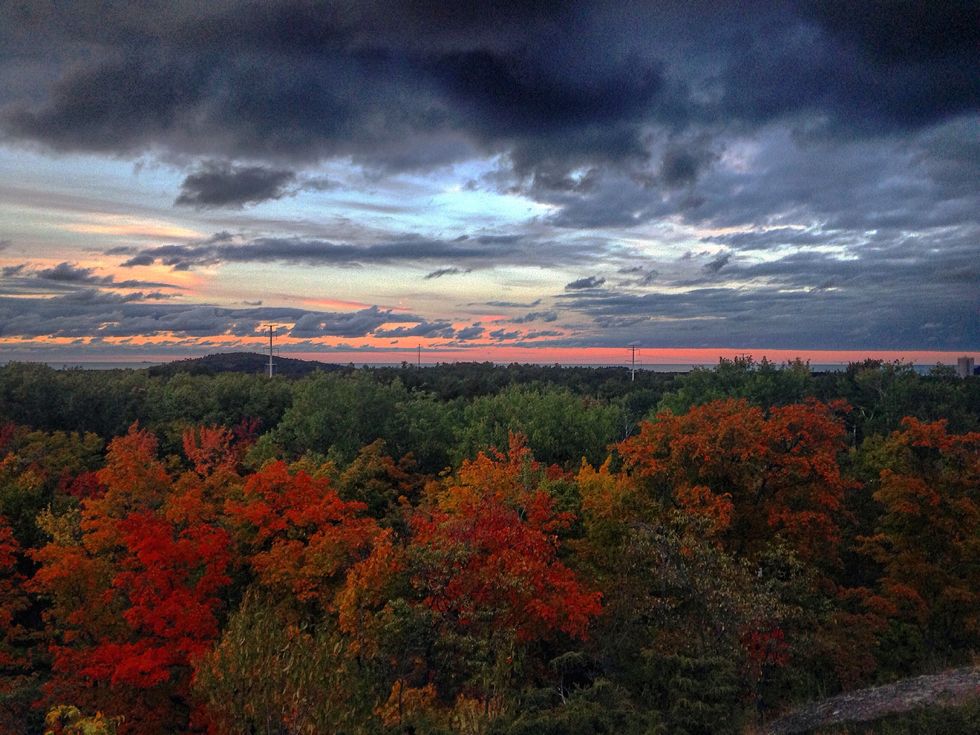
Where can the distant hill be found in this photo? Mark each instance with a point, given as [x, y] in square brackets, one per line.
[242, 362]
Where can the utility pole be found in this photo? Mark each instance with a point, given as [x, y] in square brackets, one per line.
[270, 350]
[418, 364]
[632, 347]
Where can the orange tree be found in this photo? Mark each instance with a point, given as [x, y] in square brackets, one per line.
[484, 567]
[454, 614]
[767, 490]
[926, 541]
[281, 664]
[751, 474]
[134, 583]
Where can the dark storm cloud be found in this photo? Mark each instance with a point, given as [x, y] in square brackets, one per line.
[411, 85]
[682, 166]
[584, 283]
[218, 185]
[857, 67]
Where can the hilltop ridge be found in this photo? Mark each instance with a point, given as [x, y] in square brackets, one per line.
[242, 362]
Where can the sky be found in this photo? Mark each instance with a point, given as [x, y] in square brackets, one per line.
[535, 181]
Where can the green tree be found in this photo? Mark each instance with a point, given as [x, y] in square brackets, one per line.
[560, 427]
[762, 383]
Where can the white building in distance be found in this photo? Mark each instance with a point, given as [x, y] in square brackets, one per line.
[964, 367]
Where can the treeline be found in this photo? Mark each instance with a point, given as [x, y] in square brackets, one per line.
[445, 413]
[391, 551]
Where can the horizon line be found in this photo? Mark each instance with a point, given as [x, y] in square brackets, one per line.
[607, 356]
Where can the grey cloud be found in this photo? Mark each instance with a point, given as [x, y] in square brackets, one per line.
[422, 329]
[781, 237]
[682, 165]
[97, 296]
[901, 293]
[541, 334]
[716, 264]
[68, 273]
[875, 185]
[482, 251]
[65, 277]
[99, 314]
[219, 184]
[505, 304]
[584, 283]
[355, 324]
[534, 316]
[122, 250]
[142, 259]
[469, 333]
[324, 252]
[447, 272]
[320, 183]
[501, 335]
[644, 275]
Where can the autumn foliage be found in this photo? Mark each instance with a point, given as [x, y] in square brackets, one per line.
[136, 586]
[927, 537]
[487, 552]
[751, 474]
[723, 561]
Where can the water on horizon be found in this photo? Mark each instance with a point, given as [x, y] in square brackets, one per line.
[654, 367]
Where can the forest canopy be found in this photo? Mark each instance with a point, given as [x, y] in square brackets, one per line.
[478, 549]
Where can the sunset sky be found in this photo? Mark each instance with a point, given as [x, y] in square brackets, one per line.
[541, 181]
